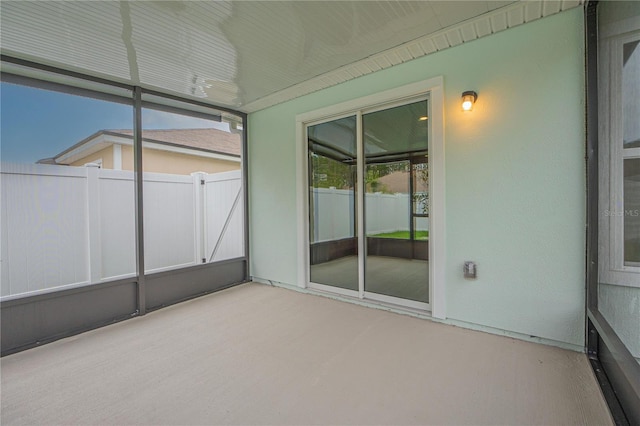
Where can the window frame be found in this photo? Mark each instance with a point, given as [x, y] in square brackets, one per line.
[613, 365]
[612, 268]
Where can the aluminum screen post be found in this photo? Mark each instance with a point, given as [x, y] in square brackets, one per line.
[591, 104]
[137, 167]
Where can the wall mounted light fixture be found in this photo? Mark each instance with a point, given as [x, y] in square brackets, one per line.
[468, 99]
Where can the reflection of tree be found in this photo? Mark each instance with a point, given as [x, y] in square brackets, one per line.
[331, 173]
[421, 198]
[328, 172]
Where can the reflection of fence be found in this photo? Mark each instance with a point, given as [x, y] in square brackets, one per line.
[64, 226]
[334, 214]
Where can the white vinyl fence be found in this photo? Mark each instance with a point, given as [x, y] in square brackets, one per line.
[69, 226]
[384, 213]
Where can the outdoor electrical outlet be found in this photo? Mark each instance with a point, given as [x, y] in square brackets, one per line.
[470, 270]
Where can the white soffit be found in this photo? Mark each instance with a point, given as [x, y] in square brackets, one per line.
[248, 55]
[486, 24]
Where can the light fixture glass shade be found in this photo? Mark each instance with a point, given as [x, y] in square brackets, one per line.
[468, 99]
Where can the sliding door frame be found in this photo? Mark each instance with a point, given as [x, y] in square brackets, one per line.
[432, 90]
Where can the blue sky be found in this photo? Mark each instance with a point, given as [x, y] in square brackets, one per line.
[36, 123]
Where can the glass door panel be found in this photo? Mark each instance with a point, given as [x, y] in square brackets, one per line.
[333, 237]
[396, 202]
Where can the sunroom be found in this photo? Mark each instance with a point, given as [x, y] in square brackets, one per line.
[300, 212]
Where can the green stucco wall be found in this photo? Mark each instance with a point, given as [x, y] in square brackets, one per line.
[515, 176]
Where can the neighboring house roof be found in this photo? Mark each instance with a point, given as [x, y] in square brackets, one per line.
[212, 140]
[205, 140]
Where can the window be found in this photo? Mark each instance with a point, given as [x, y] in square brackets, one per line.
[631, 151]
[67, 221]
[114, 201]
[69, 186]
[620, 161]
[619, 177]
[193, 190]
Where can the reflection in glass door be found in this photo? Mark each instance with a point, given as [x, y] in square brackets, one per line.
[396, 202]
[333, 251]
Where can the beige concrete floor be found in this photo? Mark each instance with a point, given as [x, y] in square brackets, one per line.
[256, 354]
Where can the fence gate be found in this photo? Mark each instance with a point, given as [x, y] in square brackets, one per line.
[223, 223]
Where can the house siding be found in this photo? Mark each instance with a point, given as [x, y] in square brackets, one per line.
[162, 162]
[105, 154]
[515, 176]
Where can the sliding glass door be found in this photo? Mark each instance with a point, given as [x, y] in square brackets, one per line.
[369, 204]
[332, 203]
[395, 154]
